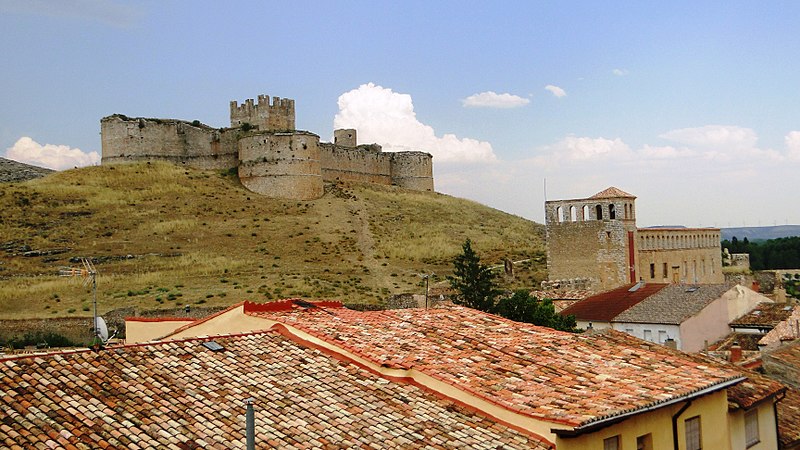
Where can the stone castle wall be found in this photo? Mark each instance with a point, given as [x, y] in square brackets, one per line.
[282, 165]
[128, 140]
[272, 158]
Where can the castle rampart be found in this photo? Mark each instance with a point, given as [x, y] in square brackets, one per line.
[272, 158]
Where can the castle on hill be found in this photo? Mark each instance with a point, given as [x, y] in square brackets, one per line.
[272, 157]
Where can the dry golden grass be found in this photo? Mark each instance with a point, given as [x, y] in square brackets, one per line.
[166, 236]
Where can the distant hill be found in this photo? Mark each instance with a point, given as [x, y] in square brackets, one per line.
[761, 233]
[165, 236]
[11, 171]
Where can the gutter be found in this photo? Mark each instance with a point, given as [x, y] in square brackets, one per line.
[775, 411]
[675, 423]
[616, 418]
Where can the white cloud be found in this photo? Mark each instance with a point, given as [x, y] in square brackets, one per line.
[555, 90]
[387, 118]
[494, 100]
[793, 145]
[575, 148]
[719, 137]
[619, 72]
[51, 156]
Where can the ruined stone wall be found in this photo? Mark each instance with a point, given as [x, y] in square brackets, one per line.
[281, 165]
[132, 140]
[680, 255]
[412, 170]
[580, 246]
[368, 164]
[363, 164]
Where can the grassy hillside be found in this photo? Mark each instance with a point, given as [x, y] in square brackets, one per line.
[165, 236]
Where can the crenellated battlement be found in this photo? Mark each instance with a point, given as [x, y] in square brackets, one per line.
[277, 115]
[271, 157]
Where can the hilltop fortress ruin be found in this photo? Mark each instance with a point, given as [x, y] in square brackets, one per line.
[271, 156]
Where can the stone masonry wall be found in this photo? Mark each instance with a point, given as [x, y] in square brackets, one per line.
[281, 165]
[580, 246]
[364, 164]
[130, 140]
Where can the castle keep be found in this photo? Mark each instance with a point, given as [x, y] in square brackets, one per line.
[271, 156]
[593, 243]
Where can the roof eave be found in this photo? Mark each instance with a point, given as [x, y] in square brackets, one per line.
[600, 423]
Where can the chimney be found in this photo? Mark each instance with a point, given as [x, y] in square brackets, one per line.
[736, 352]
[671, 343]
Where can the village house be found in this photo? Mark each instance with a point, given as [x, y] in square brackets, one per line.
[596, 390]
[686, 316]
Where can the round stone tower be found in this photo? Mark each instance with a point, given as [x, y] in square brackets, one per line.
[281, 165]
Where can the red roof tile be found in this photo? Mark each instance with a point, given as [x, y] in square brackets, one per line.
[789, 419]
[764, 315]
[179, 394]
[555, 376]
[605, 306]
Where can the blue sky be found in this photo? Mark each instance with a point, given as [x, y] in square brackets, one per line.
[691, 106]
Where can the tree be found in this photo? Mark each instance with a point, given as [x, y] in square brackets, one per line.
[521, 307]
[474, 282]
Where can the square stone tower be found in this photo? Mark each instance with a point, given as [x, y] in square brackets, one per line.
[277, 116]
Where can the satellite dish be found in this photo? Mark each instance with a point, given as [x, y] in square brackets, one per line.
[100, 329]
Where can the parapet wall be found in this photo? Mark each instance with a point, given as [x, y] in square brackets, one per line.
[194, 144]
[272, 158]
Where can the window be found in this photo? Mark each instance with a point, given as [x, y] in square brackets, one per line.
[585, 210]
[612, 211]
[648, 335]
[652, 271]
[611, 443]
[644, 442]
[694, 437]
[560, 213]
[664, 270]
[629, 331]
[573, 214]
[751, 428]
[662, 336]
[599, 211]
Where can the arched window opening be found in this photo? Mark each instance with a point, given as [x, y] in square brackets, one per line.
[560, 214]
[626, 212]
[586, 212]
[612, 211]
[573, 213]
[599, 212]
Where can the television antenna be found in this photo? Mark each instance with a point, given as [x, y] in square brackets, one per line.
[89, 274]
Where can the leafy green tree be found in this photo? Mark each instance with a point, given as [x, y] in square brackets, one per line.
[521, 307]
[792, 285]
[474, 282]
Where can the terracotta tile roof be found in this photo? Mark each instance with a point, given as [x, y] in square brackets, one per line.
[605, 306]
[572, 379]
[674, 304]
[784, 331]
[612, 192]
[765, 315]
[179, 394]
[789, 419]
[747, 341]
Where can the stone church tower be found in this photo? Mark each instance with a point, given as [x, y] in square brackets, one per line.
[591, 242]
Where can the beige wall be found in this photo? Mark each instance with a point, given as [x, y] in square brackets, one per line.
[713, 412]
[766, 428]
[144, 330]
[232, 321]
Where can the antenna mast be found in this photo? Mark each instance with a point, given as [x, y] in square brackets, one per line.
[89, 274]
